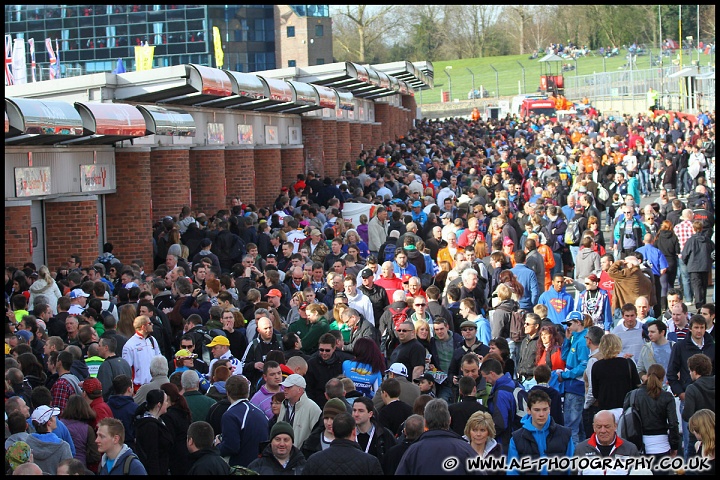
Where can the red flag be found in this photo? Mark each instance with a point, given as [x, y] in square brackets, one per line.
[53, 59]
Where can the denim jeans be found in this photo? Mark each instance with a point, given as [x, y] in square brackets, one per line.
[684, 182]
[645, 185]
[445, 392]
[573, 407]
[574, 249]
[558, 268]
[685, 434]
[684, 280]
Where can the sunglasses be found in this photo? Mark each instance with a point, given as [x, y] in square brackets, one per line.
[324, 350]
[420, 304]
[187, 346]
[403, 331]
[468, 329]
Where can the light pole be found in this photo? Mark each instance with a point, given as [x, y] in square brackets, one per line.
[523, 70]
[449, 67]
[497, 83]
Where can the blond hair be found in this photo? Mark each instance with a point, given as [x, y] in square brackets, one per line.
[480, 420]
[610, 346]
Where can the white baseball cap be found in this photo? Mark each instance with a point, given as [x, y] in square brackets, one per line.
[398, 369]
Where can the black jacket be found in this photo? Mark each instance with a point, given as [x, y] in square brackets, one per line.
[696, 253]
[344, 457]
[318, 373]
[658, 415]
[268, 465]
[154, 444]
[681, 351]
[461, 411]
[256, 352]
[667, 242]
[364, 329]
[208, 462]
[178, 422]
[556, 443]
[379, 299]
[229, 249]
[526, 362]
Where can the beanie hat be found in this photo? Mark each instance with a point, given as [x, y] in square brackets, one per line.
[334, 407]
[282, 427]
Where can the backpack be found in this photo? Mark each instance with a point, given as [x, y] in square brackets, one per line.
[573, 233]
[127, 462]
[398, 317]
[520, 397]
[389, 252]
[517, 325]
[630, 424]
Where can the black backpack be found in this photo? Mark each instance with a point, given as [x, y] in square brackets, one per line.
[630, 424]
[520, 397]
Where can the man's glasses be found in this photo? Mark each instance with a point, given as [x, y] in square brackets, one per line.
[420, 304]
[325, 350]
[470, 329]
[187, 346]
[403, 330]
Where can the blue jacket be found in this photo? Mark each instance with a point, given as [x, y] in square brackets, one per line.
[529, 281]
[575, 352]
[244, 427]
[409, 269]
[553, 300]
[123, 408]
[540, 438]
[654, 257]
[501, 405]
[484, 333]
[603, 310]
[634, 188]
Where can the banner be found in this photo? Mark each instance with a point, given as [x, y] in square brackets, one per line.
[19, 63]
[9, 80]
[31, 42]
[53, 59]
[219, 55]
[144, 57]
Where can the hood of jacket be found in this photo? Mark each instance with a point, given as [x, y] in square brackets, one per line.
[220, 387]
[80, 369]
[44, 445]
[585, 253]
[540, 435]
[118, 402]
[706, 384]
[509, 305]
[39, 286]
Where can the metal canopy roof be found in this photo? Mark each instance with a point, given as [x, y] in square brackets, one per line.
[685, 72]
[551, 57]
[363, 81]
[166, 121]
[246, 88]
[304, 99]
[41, 122]
[107, 123]
[418, 76]
[208, 83]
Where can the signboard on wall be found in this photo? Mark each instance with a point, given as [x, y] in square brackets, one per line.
[32, 182]
[94, 178]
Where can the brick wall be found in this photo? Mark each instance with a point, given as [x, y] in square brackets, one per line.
[377, 134]
[382, 116]
[207, 180]
[268, 181]
[70, 227]
[17, 235]
[240, 174]
[293, 162]
[313, 139]
[366, 136]
[355, 140]
[343, 143]
[170, 174]
[330, 148]
[128, 216]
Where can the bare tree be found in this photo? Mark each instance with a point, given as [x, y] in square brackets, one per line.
[358, 27]
[523, 15]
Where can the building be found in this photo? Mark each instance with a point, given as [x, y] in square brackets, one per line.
[102, 157]
[91, 38]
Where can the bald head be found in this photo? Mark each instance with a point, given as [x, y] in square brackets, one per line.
[27, 469]
[688, 214]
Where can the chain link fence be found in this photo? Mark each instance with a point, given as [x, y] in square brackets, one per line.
[630, 87]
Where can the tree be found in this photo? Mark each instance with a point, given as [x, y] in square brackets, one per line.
[357, 28]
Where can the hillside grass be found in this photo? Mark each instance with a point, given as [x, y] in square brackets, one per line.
[510, 73]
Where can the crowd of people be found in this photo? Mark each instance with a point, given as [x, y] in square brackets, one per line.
[505, 296]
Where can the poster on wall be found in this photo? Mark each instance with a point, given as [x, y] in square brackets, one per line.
[216, 133]
[245, 135]
[31, 182]
[271, 135]
[294, 135]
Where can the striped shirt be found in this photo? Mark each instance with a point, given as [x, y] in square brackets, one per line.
[683, 231]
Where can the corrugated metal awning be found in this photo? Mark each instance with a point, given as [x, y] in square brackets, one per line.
[41, 122]
[345, 75]
[305, 99]
[418, 76]
[246, 88]
[107, 123]
[166, 121]
[346, 101]
[328, 96]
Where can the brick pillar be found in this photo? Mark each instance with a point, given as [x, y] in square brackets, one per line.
[268, 181]
[366, 135]
[343, 143]
[17, 233]
[355, 140]
[293, 162]
[330, 149]
[395, 121]
[376, 134]
[313, 139]
[240, 174]
[70, 227]
[170, 173]
[207, 179]
[128, 215]
[382, 116]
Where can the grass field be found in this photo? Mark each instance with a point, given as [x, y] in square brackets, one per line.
[510, 73]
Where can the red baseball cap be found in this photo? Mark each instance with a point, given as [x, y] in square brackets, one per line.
[274, 293]
[508, 241]
[406, 278]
